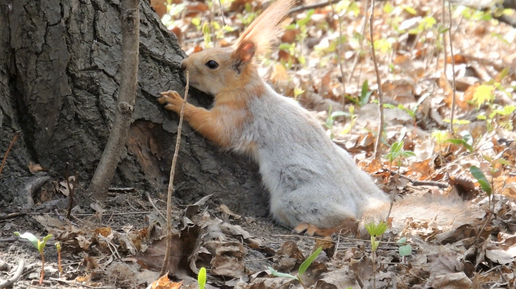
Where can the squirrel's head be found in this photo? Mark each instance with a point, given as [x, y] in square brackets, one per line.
[217, 70]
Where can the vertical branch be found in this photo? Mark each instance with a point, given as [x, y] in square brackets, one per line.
[16, 135]
[450, 40]
[362, 32]
[170, 189]
[338, 50]
[443, 24]
[126, 98]
[379, 81]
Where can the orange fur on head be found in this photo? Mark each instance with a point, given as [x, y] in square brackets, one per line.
[265, 28]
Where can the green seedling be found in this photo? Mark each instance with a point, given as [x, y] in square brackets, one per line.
[302, 268]
[365, 95]
[396, 152]
[481, 179]
[404, 249]
[201, 278]
[331, 119]
[38, 244]
[58, 248]
[375, 230]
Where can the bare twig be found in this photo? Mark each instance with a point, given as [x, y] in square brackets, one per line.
[362, 32]
[379, 81]
[126, 98]
[312, 6]
[15, 137]
[421, 183]
[168, 252]
[443, 24]
[450, 40]
[9, 282]
[338, 50]
[79, 284]
[71, 191]
[154, 205]
[12, 215]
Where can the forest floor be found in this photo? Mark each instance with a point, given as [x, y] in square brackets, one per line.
[332, 73]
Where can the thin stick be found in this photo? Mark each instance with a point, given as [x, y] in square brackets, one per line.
[70, 192]
[312, 6]
[15, 137]
[338, 50]
[357, 56]
[450, 40]
[379, 81]
[19, 270]
[154, 205]
[170, 191]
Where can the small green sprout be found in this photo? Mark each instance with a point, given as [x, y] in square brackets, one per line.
[38, 244]
[365, 95]
[375, 230]
[331, 118]
[302, 268]
[201, 278]
[396, 152]
[58, 248]
[482, 180]
[404, 249]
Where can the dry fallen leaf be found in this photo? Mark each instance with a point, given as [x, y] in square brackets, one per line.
[34, 168]
[165, 283]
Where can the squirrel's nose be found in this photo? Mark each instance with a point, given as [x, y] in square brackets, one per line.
[183, 65]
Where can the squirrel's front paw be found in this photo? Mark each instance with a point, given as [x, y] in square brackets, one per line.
[171, 100]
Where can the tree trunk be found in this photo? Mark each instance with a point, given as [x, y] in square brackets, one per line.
[59, 79]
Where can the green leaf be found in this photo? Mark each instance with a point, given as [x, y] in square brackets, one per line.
[339, 113]
[387, 7]
[503, 74]
[308, 261]
[410, 10]
[30, 237]
[397, 146]
[402, 241]
[285, 46]
[207, 34]
[42, 244]
[304, 21]
[279, 274]
[483, 94]
[481, 178]
[376, 229]
[201, 278]
[405, 250]
[458, 141]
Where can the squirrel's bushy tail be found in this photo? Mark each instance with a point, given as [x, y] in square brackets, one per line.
[266, 27]
[445, 211]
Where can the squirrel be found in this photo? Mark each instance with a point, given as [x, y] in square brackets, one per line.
[314, 185]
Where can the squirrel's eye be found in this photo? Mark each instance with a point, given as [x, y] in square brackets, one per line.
[212, 64]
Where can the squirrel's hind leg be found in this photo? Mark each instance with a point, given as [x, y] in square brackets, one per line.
[347, 226]
[310, 216]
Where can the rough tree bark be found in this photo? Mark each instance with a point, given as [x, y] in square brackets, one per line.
[59, 79]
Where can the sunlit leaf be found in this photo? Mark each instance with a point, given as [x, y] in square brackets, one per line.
[405, 250]
[481, 178]
[201, 278]
[308, 261]
[279, 274]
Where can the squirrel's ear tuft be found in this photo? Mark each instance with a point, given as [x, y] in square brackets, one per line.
[243, 54]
